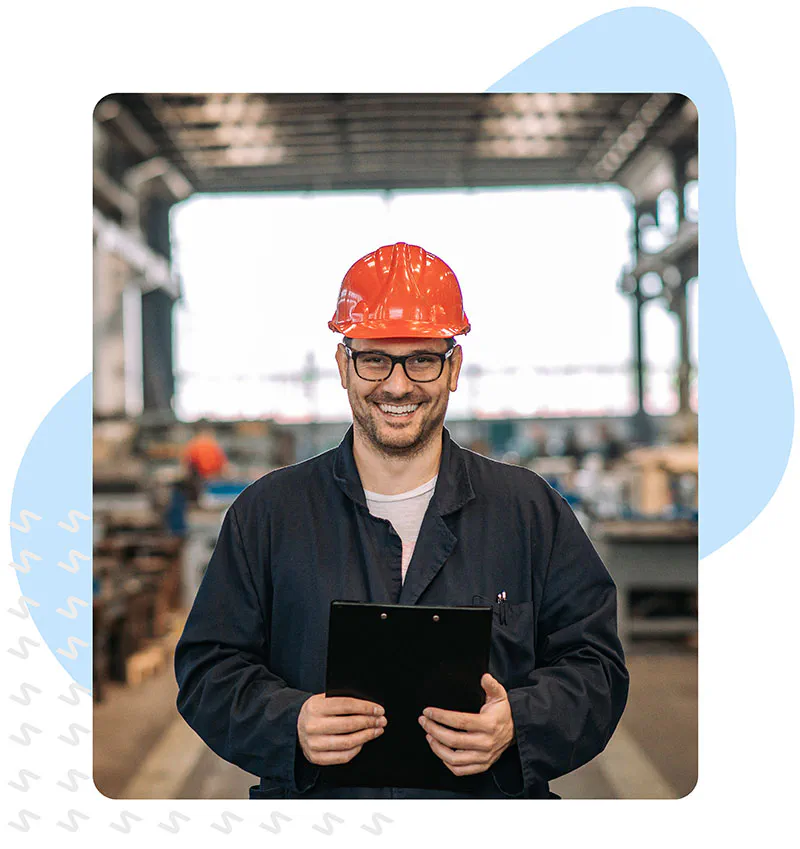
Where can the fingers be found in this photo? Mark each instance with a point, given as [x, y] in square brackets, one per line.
[332, 731]
[331, 758]
[341, 742]
[342, 724]
[326, 750]
[460, 762]
[493, 688]
[454, 719]
[464, 742]
[469, 740]
[336, 738]
[343, 706]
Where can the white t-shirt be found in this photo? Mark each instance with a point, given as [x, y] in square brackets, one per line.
[405, 511]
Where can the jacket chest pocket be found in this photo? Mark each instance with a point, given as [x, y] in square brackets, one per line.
[511, 657]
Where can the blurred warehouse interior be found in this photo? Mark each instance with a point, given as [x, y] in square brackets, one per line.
[629, 469]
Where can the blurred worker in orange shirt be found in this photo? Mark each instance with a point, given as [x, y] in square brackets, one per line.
[204, 458]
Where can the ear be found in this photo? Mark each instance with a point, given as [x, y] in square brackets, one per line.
[341, 363]
[455, 368]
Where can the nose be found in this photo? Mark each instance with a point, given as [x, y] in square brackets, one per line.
[398, 383]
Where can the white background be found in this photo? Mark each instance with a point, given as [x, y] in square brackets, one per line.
[59, 60]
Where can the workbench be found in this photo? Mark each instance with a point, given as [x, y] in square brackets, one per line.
[649, 555]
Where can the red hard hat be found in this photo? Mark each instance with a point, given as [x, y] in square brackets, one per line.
[396, 291]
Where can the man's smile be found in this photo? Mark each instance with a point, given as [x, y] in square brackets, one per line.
[398, 412]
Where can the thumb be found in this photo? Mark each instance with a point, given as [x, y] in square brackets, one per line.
[494, 690]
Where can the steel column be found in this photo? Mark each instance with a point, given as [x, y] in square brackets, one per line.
[641, 424]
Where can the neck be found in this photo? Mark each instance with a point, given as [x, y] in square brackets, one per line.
[390, 475]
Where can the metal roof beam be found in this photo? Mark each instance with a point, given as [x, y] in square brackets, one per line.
[109, 110]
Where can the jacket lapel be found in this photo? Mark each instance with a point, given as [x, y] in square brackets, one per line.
[436, 541]
[434, 545]
[345, 471]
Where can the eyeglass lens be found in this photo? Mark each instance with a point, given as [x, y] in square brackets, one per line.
[419, 367]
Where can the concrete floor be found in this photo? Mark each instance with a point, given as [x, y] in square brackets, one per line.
[143, 749]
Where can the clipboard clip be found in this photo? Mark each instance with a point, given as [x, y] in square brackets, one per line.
[502, 608]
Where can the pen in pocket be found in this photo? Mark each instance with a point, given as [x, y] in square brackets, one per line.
[501, 607]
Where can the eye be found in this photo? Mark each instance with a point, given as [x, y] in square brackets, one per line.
[424, 360]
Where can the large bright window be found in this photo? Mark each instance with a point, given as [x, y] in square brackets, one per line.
[538, 269]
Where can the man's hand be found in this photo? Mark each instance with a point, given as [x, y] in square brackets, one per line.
[481, 737]
[332, 731]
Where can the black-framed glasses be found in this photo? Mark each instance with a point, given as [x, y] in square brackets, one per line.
[420, 367]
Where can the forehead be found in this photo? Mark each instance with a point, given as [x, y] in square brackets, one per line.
[398, 347]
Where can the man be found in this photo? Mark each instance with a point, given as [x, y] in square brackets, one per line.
[399, 513]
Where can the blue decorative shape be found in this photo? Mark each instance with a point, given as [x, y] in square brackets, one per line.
[54, 483]
[746, 403]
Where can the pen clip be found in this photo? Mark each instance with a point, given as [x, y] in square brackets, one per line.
[501, 603]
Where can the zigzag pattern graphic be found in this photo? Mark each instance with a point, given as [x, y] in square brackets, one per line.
[25, 527]
[24, 556]
[275, 828]
[74, 527]
[125, 818]
[24, 642]
[74, 689]
[327, 819]
[25, 689]
[24, 784]
[72, 642]
[226, 817]
[74, 556]
[174, 816]
[71, 814]
[73, 729]
[25, 739]
[72, 775]
[72, 601]
[378, 829]
[23, 603]
[23, 824]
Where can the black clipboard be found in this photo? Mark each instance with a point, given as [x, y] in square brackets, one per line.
[406, 658]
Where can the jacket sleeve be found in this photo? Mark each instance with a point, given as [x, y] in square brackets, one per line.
[226, 693]
[575, 697]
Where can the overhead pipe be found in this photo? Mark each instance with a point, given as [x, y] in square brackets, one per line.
[154, 166]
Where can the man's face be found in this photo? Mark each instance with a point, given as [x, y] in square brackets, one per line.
[399, 433]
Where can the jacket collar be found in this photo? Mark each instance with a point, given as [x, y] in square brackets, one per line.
[453, 486]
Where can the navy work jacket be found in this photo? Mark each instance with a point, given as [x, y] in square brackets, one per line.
[255, 642]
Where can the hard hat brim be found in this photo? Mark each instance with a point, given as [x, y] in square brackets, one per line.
[398, 329]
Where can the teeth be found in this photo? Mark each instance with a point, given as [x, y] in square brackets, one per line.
[398, 411]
